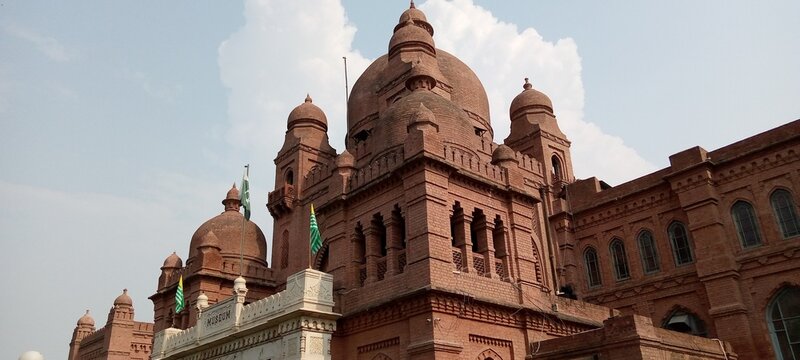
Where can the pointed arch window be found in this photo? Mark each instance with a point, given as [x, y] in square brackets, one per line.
[621, 270]
[783, 316]
[647, 248]
[558, 168]
[679, 239]
[744, 217]
[592, 267]
[785, 212]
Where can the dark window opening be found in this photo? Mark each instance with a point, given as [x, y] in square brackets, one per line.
[784, 208]
[744, 217]
[679, 238]
[592, 267]
[361, 136]
[620, 260]
[290, 177]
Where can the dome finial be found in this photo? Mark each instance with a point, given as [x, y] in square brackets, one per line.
[527, 85]
[412, 6]
[308, 98]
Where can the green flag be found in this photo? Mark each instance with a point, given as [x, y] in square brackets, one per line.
[179, 303]
[316, 239]
[245, 195]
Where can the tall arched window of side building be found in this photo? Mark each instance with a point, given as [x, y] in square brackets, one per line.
[785, 213]
[744, 217]
[592, 267]
[621, 270]
[783, 317]
[647, 248]
[679, 239]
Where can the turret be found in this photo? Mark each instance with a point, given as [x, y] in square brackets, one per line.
[83, 328]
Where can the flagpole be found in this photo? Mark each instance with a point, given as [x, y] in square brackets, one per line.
[244, 218]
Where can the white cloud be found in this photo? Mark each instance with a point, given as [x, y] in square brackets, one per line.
[502, 55]
[157, 89]
[49, 46]
[285, 50]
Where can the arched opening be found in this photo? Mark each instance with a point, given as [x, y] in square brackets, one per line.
[620, 259]
[679, 239]
[592, 267]
[783, 316]
[558, 171]
[784, 208]
[289, 178]
[744, 217]
[684, 321]
[647, 249]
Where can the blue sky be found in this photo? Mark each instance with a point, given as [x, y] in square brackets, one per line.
[124, 124]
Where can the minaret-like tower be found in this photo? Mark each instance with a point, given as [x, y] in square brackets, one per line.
[306, 157]
[83, 328]
[429, 229]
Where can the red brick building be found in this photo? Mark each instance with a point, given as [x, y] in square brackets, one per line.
[121, 337]
[445, 245]
[709, 245]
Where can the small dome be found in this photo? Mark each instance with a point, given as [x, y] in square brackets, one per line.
[503, 153]
[31, 355]
[411, 35]
[345, 159]
[412, 14]
[123, 299]
[529, 98]
[308, 113]
[227, 228]
[86, 320]
[209, 240]
[173, 261]
[233, 193]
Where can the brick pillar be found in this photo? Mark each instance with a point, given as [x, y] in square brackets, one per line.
[394, 243]
[486, 246]
[463, 241]
[357, 240]
[715, 257]
[373, 252]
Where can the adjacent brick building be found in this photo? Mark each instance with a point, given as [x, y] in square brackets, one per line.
[445, 245]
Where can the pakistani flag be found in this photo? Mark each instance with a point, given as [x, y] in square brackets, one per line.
[245, 195]
[179, 303]
[316, 239]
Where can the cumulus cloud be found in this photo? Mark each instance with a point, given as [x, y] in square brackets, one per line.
[47, 45]
[502, 55]
[284, 50]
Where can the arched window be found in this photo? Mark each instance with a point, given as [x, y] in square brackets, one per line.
[647, 248]
[685, 322]
[679, 238]
[289, 177]
[746, 225]
[621, 270]
[558, 171]
[592, 267]
[783, 316]
[784, 208]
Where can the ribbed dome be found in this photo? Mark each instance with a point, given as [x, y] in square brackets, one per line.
[86, 320]
[173, 261]
[227, 228]
[391, 128]
[308, 113]
[123, 299]
[529, 98]
[467, 90]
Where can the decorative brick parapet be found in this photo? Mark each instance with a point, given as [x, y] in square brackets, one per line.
[306, 306]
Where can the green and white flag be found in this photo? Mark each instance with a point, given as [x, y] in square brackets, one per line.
[316, 239]
[179, 302]
[245, 194]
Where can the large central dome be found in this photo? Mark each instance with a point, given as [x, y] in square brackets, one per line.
[382, 84]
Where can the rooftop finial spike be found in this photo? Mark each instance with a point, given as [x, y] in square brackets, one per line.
[308, 98]
[412, 6]
[527, 85]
